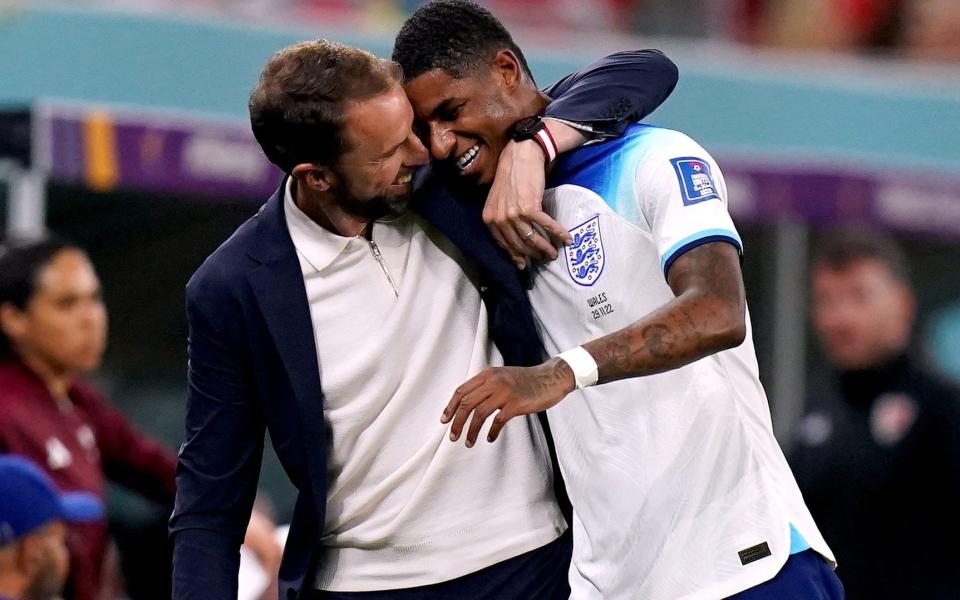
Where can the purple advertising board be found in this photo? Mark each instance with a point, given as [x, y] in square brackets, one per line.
[157, 154]
[188, 155]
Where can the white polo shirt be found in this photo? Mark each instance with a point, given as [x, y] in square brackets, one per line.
[398, 327]
[678, 485]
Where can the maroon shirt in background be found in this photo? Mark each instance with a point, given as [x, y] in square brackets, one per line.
[81, 444]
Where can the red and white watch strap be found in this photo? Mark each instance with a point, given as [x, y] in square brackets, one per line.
[547, 144]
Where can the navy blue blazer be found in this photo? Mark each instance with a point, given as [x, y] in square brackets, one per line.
[253, 364]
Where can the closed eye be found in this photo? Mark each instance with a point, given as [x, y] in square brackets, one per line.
[450, 114]
[388, 154]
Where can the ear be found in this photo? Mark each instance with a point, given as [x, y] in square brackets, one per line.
[315, 177]
[507, 68]
[13, 321]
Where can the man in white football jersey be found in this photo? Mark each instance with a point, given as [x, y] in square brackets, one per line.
[662, 428]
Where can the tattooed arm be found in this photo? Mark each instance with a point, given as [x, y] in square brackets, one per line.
[706, 316]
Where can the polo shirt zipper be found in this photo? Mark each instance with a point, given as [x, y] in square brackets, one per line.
[376, 254]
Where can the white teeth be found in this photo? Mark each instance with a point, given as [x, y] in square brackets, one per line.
[466, 159]
[404, 179]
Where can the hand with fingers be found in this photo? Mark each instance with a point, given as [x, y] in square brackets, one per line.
[509, 392]
[261, 539]
[514, 206]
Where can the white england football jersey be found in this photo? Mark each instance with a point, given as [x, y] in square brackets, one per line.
[679, 488]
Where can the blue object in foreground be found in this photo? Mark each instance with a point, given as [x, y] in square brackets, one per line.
[29, 500]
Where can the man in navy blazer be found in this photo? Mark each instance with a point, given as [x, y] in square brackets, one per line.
[253, 358]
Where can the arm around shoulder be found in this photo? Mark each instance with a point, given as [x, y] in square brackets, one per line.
[603, 99]
[615, 91]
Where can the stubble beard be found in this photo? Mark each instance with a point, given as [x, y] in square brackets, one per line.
[374, 208]
[47, 585]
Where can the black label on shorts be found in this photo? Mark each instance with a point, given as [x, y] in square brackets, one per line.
[754, 553]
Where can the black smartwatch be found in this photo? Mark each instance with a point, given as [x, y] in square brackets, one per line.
[533, 128]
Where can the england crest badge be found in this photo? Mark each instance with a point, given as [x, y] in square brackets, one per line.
[585, 256]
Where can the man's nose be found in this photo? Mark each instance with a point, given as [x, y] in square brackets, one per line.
[442, 142]
[420, 156]
[93, 314]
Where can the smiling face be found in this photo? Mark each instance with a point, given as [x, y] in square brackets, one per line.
[375, 174]
[337, 120]
[466, 121]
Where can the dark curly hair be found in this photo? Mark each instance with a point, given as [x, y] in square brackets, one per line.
[453, 35]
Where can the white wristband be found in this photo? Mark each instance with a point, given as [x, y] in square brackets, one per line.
[583, 366]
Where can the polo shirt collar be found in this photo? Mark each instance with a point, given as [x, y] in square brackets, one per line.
[317, 245]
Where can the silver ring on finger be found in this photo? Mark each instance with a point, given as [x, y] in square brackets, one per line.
[528, 235]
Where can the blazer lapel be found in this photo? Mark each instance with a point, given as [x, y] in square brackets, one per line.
[277, 284]
[462, 222]
[511, 317]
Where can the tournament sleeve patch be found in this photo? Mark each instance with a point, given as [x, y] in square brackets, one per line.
[696, 183]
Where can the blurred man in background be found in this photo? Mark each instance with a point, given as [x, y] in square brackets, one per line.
[53, 330]
[878, 455]
[33, 517]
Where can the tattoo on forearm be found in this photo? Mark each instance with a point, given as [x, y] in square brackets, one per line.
[706, 314]
[657, 338]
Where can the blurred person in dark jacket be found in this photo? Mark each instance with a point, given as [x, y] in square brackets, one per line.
[33, 530]
[53, 330]
[878, 456]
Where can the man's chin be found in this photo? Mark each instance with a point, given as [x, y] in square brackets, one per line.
[397, 208]
[387, 208]
[484, 178]
[465, 186]
[375, 208]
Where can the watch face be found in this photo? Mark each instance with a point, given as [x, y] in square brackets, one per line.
[525, 129]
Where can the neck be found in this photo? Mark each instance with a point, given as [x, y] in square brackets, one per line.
[56, 380]
[861, 386]
[323, 209]
[532, 102]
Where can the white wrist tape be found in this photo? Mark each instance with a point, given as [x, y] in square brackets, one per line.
[583, 366]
